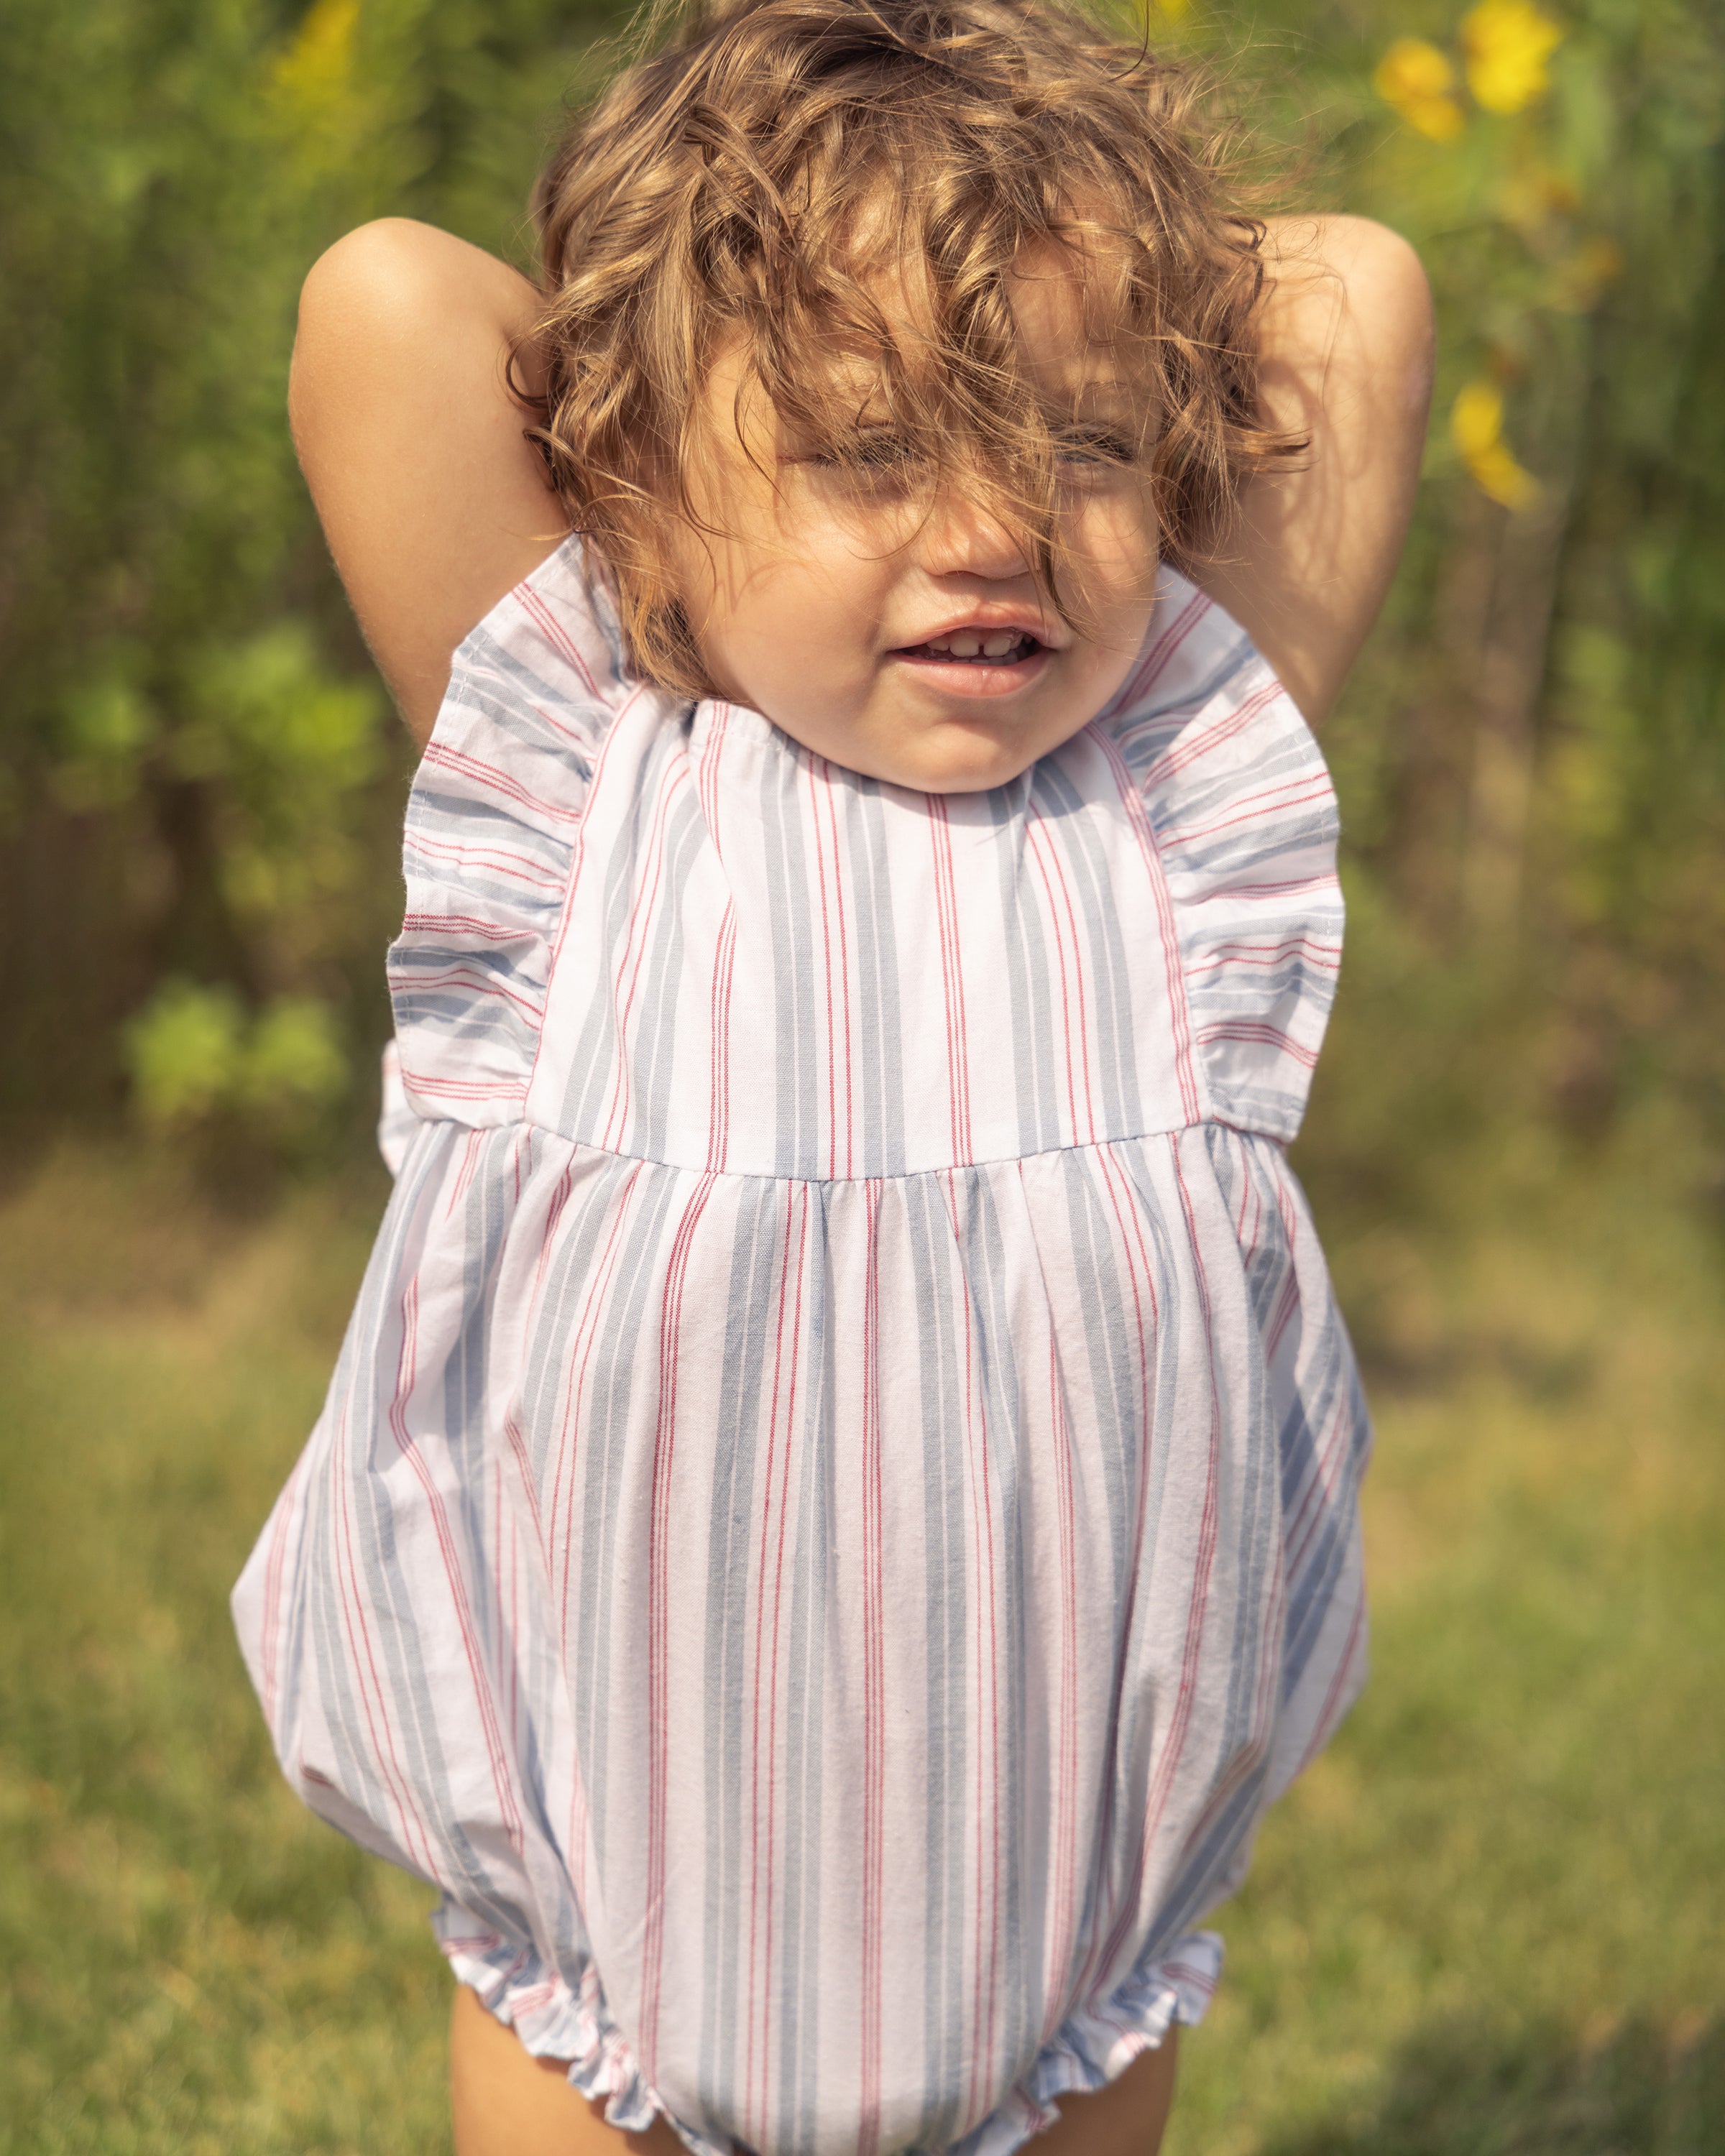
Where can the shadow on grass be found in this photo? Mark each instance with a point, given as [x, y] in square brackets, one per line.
[1464, 2089]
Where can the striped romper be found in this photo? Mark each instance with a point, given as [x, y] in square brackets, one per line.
[836, 1512]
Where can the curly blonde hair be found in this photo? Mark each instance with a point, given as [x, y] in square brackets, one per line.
[748, 179]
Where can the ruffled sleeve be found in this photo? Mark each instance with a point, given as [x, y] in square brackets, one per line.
[1245, 821]
[492, 826]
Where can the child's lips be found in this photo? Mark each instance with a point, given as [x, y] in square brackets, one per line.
[970, 678]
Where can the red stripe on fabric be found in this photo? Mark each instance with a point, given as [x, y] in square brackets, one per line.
[809, 762]
[1261, 808]
[1129, 1229]
[1064, 1837]
[1264, 958]
[362, 1653]
[593, 1301]
[1173, 1740]
[286, 1518]
[503, 1093]
[786, 1457]
[718, 1119]
[985, 1943]
[760, 1916]
[1138, 816]
[1258, 1034]
[634, 939]
[874, 1689]
[521, 867]
[496, 1752]
[1206, 737]
[827, 797]
[460, 976]
[658, 1536]
[952, 979]
[490, 779]
[471, 924]
[1207, 1532]
[1059, 897]
[1317, 1499]
[577, 856]
[1155, 662]
[707, 790]
[516, 1442]
[718, 1128]
[1258, 894]
[552, 629]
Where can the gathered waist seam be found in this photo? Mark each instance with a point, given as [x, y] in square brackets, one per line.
[702, 1170]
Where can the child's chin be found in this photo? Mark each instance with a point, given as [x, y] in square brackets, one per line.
[970, 757]
[955, 766]
[954, 756]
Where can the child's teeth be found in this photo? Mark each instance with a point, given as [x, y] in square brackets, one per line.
[977, 644]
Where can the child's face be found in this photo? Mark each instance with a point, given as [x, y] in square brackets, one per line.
[900, 633]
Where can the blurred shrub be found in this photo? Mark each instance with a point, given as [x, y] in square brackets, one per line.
[195, 1056]
[186, 1053]
[199, 776]
[1531, 757]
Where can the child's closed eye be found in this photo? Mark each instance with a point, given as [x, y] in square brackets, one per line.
[875, 453]
[1093, 451]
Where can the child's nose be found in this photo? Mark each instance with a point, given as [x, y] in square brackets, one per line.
[961, 538]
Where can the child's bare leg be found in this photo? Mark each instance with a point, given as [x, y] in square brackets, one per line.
[508, 2103]
[1126, 2119]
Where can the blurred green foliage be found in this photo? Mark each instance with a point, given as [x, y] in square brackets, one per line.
[193, 1054]
[199, 776]
[1531, 755]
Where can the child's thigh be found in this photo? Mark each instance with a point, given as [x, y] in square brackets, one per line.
[505, 2102]
[1126, 2119]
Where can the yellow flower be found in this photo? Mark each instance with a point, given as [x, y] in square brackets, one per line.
[1417, 80]
[316, 65]
[1476, 429]
[1507, 44]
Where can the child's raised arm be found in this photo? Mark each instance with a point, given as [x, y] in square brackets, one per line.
[433, 504]
[1345, 354]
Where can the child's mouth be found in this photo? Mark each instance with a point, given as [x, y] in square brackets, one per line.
[976, 647]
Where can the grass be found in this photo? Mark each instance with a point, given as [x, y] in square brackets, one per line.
[1487, 1924]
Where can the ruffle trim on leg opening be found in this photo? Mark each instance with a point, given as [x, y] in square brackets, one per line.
[1094, 2047]
[557, 2020]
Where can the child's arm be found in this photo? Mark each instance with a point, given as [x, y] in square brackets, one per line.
[1347, 356]
[434, 506]
[411, 443]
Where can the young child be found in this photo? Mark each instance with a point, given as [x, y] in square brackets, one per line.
[836, 1512]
